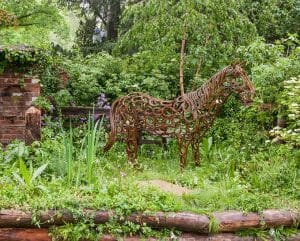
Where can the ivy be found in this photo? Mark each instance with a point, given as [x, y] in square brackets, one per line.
[19, 58]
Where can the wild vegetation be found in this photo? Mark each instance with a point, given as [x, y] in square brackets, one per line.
[250, 160]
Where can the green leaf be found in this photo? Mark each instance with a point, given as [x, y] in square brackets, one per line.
[38, 172]
[24, 172]
[18, 178]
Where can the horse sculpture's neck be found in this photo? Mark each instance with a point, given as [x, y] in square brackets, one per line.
[211, 94]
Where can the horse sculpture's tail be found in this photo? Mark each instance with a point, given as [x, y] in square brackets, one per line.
[113, 131]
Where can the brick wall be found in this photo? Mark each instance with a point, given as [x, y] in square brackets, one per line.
[17, 92]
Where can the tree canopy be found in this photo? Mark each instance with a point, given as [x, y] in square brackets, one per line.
[29, 21]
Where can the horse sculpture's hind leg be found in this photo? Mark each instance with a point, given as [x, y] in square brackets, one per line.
[132, 145]
[195, 149]
[183, 147]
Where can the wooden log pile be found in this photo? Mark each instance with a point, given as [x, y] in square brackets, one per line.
[229, 221]
[19, 234]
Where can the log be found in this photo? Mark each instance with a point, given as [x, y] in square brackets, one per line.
[15, 234]
[181, 221]
[275, 218]
[229, 221]
[233, 220]
[19, 234]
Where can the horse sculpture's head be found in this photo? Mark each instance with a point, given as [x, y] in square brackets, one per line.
[242, 85]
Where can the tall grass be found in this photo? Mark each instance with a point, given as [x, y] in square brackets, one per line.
[75, 169]
[68, 154]
[91, 144]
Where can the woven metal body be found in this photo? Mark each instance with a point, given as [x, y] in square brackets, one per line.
[186, 118]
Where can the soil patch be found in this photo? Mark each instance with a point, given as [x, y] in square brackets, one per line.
[166, 186]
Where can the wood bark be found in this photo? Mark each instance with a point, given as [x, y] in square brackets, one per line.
[19, 234]
[182, 55]
[188, 222]
[113, 19]
[15, 234]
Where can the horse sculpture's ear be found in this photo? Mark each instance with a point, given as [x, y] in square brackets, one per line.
[243, 63]
[235, 62]
[239, 62]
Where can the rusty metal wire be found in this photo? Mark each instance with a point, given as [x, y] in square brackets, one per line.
[186, 118]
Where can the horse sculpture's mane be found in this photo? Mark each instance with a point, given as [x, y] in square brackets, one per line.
[200, 96]
[186, 118]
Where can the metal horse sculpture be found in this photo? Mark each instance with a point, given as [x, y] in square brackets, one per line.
[186, 118]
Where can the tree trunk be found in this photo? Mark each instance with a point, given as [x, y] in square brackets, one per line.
[113, 19]
[181, 70]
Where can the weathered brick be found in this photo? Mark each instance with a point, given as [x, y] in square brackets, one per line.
[16, 123]
[17, 92]
[32, 88]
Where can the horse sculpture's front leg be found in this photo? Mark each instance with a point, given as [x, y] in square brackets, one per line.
[132, 144]
[183, 147]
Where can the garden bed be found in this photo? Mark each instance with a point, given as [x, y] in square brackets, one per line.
[32, 196]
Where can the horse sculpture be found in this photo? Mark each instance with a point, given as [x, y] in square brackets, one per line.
[186, 118]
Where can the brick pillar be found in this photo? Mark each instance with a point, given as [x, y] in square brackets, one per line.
[17, 92]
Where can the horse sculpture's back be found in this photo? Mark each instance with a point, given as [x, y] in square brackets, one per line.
[186, 118]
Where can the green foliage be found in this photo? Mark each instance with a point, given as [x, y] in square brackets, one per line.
[75, 232]
[278, 234]
[210, 26]
[42, 103]
[229, 178]
[103, 73]
[91, 144]
[63, 98]
[28, 176]
[69, 155]
[290, 108]
[206, 147]
[270, 65]
[274, 19]
[19, 58]
[18, 154]
[50, 76]
[84, 230]
[91, 75]
[291, 99]
[34, 20]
